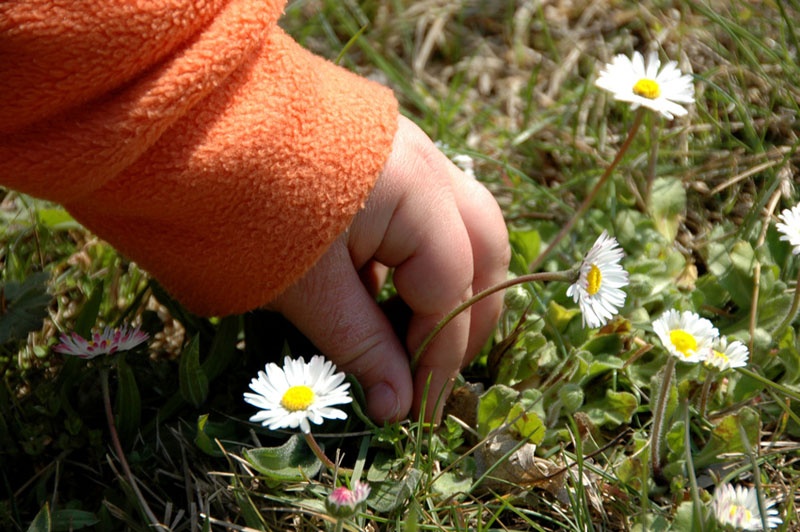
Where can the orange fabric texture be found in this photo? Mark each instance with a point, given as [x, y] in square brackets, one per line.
[193, 135]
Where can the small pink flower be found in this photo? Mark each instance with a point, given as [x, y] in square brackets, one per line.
[105, 343]
[343, 502]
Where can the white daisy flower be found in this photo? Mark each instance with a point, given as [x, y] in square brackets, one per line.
[107, 342]
[789, 227]
[686, 335]
[631, 80]
[598, 290]
[726, 355]
[298, 393]
[738, 507]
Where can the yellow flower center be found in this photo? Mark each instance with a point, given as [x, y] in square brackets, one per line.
[593, 279]
[684, 342]
[720, 354]
[297, 398]
[647, 88]
[739, 514]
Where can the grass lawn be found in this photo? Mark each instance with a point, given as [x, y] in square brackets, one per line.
[557, 425]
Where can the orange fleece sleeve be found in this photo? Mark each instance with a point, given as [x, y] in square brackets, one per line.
[193, 135]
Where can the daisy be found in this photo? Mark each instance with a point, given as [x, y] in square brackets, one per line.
[598, 290]
[101, 343]
[343, 502]
[726, 355]
[738, 507]
[789, 227]
[298, 393]
[631, 80]
[686, 335]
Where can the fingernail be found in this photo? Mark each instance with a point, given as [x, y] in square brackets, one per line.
[382, 401]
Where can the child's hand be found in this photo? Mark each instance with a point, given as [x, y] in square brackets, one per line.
[445, 236]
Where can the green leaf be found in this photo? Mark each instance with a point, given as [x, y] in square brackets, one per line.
[451, 483]
[560, 316]
[733, 267]
[128, 403]
[711, 291]
[70, 519]
[633, 467]
[292, 461]
[675, 438]
[685, 518]
[615, 409]
[191, 377]
[56, 219]
[601, 365]
[501, 404]
[383, 466]
[571, 397]
[387, 496]
[604, 344]
[204, 437]
[91, 309]
[725, 437]
[651, 523]
[675, 471]
[531, 399]
[527, 423]
[789, 355]
[526, 246]
[248, 509]
[773, 306]
[667, 205]
[24, 306]
[42, 522]
[493, 407]
[223, 348]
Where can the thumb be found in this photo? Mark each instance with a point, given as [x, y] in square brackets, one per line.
[331, 306]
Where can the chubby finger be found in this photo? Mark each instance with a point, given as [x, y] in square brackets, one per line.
[333, 309]
[373, 276]
[427, 243]
[416, 280]
[491, 253]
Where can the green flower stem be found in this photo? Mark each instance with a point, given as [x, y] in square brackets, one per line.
[637, 121]
[565, 276]
[121, 454]
[658, 416]
[655, 120]
[710, 377]
[697, 516]
[792, 314]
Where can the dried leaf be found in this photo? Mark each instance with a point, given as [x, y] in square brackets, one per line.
[463, 403]
[521, 468]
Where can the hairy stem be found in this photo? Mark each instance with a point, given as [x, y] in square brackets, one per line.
[637, 121]
[659, 414]
[565, 276]
[704, 393]
[319, 453]
[653, 157]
